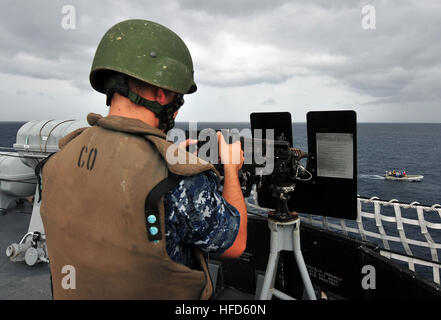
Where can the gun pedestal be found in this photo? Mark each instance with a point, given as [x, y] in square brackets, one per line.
[285, 235]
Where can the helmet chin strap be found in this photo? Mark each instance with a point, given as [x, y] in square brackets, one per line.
[119, 83]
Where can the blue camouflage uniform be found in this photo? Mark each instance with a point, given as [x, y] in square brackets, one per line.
[197, 215]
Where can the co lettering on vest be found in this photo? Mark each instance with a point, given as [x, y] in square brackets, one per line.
[87, 158]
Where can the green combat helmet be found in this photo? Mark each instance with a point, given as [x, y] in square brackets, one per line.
[149, 52]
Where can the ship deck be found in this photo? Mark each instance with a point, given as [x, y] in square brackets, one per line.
[18, 281]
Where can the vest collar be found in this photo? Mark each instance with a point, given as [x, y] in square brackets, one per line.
[123, 124]
[185, 163]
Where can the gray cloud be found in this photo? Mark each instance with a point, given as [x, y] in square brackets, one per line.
[245, 43]
[231, 8]
[269, 102]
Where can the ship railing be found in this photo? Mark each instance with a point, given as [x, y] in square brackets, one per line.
[405, 232]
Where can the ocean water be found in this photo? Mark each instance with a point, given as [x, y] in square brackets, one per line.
[8, 133]
[414, 147]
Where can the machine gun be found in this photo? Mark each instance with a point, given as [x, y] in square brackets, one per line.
[274, 166]
[268, 163]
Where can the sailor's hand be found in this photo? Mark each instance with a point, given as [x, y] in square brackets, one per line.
[299, 153]
[231, 155]
[186, 143]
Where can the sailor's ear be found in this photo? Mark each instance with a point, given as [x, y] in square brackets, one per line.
[161, 97]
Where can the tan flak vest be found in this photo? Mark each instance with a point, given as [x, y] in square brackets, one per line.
[93, 201]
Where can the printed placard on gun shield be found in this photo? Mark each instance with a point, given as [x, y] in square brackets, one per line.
[335, 155]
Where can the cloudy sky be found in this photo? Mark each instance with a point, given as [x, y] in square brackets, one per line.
[383, 61]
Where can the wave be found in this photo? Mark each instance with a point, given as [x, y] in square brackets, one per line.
[371, 176]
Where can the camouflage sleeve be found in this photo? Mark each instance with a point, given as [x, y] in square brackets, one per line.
[200, 215]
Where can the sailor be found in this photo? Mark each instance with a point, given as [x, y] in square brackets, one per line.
[129, 222]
